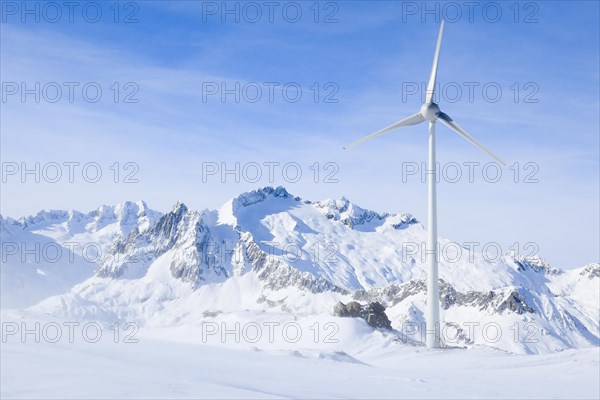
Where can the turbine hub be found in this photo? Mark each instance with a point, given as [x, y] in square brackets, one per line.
[429, 111]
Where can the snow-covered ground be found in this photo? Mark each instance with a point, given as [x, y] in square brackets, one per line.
[176, 363]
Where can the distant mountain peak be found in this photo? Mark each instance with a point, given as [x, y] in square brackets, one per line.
[351, 215]
[44, 216]
[179, 208]
[534, 263]
[591, 270]
[257, 196]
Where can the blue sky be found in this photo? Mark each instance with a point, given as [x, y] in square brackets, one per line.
[365, 57]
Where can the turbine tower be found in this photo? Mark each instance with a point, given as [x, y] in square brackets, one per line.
[431, 113]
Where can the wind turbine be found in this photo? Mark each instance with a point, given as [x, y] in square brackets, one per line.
[431, 112]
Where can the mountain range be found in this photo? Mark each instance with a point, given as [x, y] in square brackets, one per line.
[270, 251]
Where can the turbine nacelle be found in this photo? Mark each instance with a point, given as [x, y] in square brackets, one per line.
[429, 111]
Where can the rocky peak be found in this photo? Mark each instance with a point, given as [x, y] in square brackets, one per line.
[534, 263]
[179, 208]
[44, 217]
[260, 195]
[166, 228]
[347, 212]
[351, 215]
[591, 271]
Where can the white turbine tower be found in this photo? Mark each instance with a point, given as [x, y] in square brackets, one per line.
[431, 112]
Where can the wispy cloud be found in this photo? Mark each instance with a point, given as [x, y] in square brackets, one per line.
[368, 55]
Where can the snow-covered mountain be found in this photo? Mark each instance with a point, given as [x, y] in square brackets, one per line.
[48, 253]
[269, 251]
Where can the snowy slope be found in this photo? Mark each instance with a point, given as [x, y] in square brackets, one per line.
[176, 363]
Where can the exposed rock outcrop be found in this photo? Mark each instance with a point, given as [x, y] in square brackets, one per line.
[591, 271]
[495, 301]
[373, 313]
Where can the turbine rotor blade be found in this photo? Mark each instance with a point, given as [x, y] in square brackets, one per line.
[450, 123]
[412, 120]
[432, 77]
